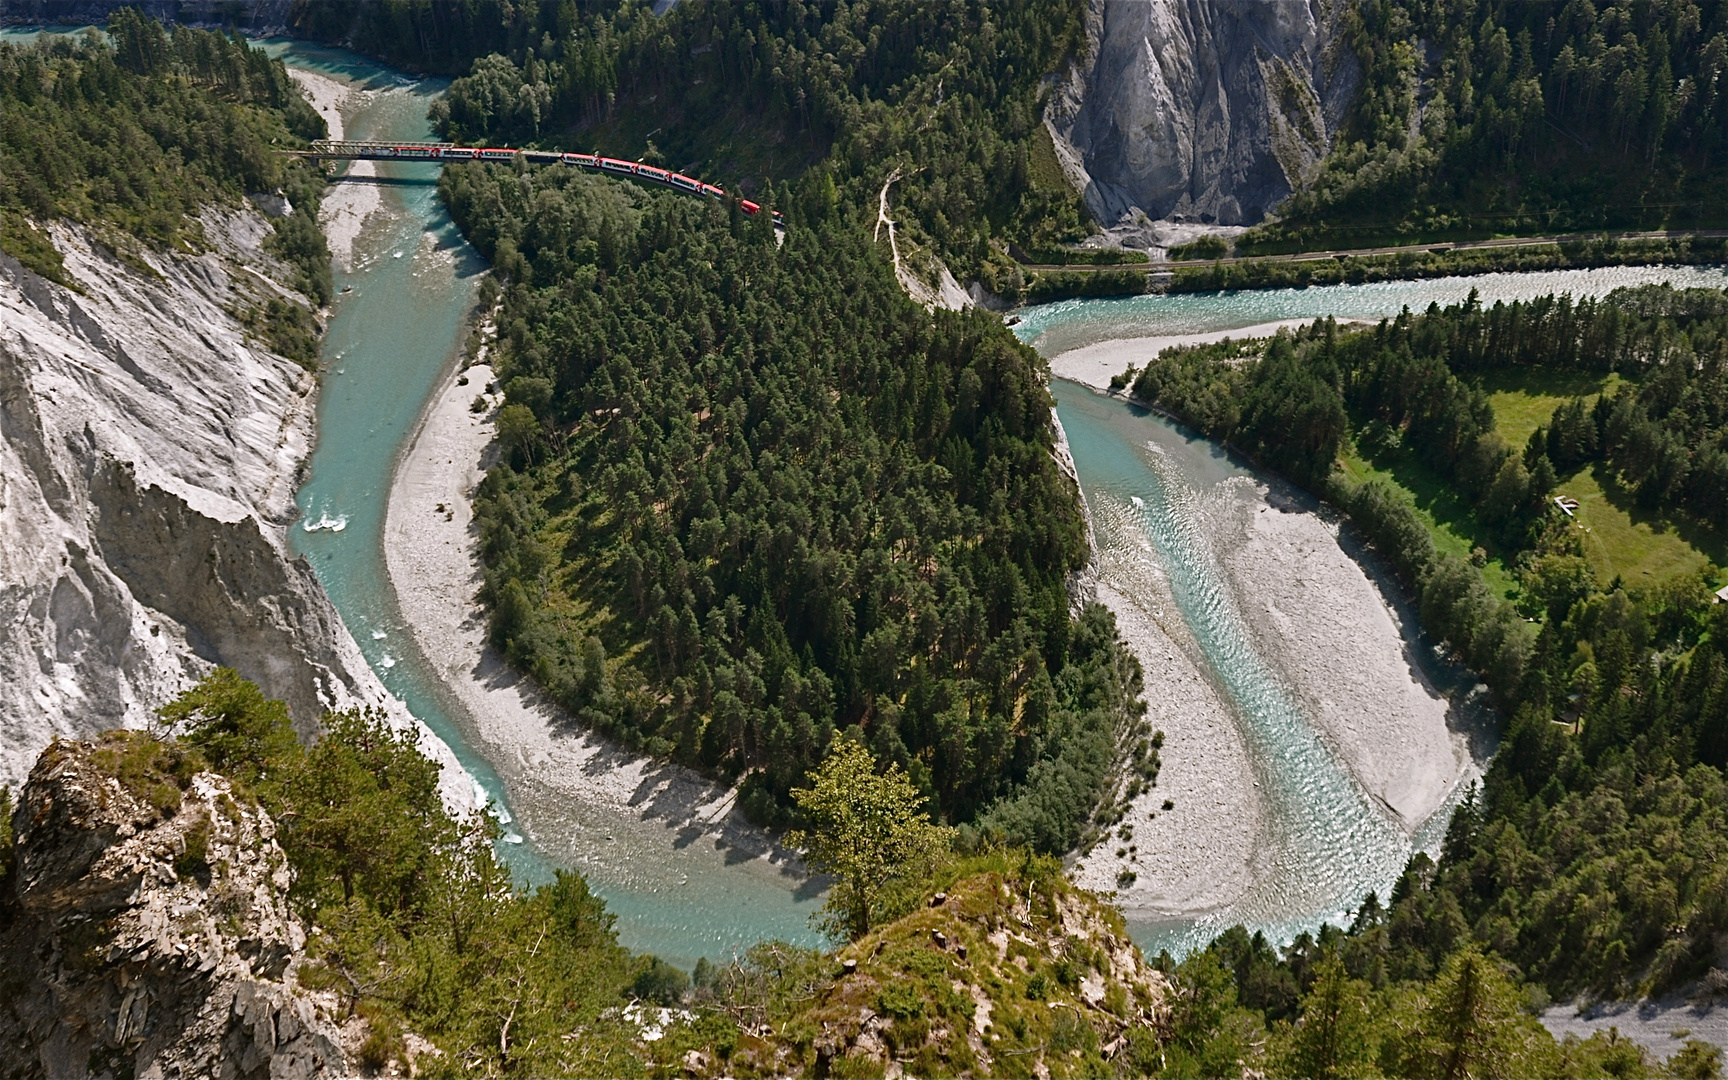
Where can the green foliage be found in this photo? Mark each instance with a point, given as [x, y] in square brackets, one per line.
[1077, 256]
[1521, 118]
[1334, 1039]
[25, 241]
[1100, 740]
[156, 772]
[417, 925]
[1285, 410]
[1206, 247]
[1470, 1021]
[870, 834]
[1211, 1034]
[364, 816]
[1047, 286]
[1697, 1060]
[1593, 856]
[1418, 263]
[932, 989]
[756, 497]
[140, 135]
[6, 845]
[233, 725]
[949, 96]
[660, 982]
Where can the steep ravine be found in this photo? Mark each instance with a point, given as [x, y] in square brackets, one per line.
[149, 451]
[1200, 112]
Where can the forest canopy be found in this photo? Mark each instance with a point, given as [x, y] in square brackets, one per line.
[755, 496]
[1594, 858]
[754, 96]
[1494, 117]
[140, 134]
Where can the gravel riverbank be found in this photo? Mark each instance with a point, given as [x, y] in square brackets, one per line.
[1324, 620]
[572, 791]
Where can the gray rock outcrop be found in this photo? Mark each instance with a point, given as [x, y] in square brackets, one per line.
[1201, 111]
[145, 929]
[149, 453]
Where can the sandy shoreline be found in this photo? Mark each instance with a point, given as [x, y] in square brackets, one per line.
[1200, 856]
[1321, 621]
[1094, 365]
[570, 789]
[1325, 622]
[346, 207]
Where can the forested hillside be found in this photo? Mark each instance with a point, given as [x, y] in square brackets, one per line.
[750, 96]
[135, 138]
[757, 496]
[1594, 858]
[1510, 117]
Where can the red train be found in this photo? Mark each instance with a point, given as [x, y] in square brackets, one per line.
[618, 166]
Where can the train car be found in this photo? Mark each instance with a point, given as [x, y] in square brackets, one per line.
[459, 153]
[495, 154]
[614, 165]
[414, 152]
[713, 192]
[779, 220]
[649, 172]
[748, 207]
[684, 183]
[587, 161]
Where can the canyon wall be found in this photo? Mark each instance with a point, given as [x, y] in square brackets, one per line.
[1201, 111]
[149, 454]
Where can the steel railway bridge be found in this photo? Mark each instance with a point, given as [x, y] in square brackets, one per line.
[437, 153]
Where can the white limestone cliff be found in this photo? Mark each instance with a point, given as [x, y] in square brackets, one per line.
[149, 453]
[1200, 112]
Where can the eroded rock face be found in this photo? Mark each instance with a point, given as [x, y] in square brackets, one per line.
[149, 453]
[144, 938]
[1202, 111]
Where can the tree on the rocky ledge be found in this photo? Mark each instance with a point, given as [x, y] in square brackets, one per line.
[869, 831]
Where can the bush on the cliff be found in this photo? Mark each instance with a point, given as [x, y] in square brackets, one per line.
[420, 927]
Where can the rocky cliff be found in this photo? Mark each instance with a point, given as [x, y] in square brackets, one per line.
[1004, 973]
[144, 929]
[1200, 111]
[149, 452]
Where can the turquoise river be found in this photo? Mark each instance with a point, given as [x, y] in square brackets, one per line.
[398, 326]
[394, 337]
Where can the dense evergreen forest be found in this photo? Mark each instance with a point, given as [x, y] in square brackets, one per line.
[1475, 117]
[134, 138]
[754, 96]
[1479, 118]
[1594, 857]
[757, 496]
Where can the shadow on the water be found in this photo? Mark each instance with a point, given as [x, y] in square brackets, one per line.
[385, 181]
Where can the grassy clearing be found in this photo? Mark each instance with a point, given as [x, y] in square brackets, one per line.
[1620, 539]
[1640, 547]
[1450, 523]
[1524, 399]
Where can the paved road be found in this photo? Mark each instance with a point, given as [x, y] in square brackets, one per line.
[1353, 253]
